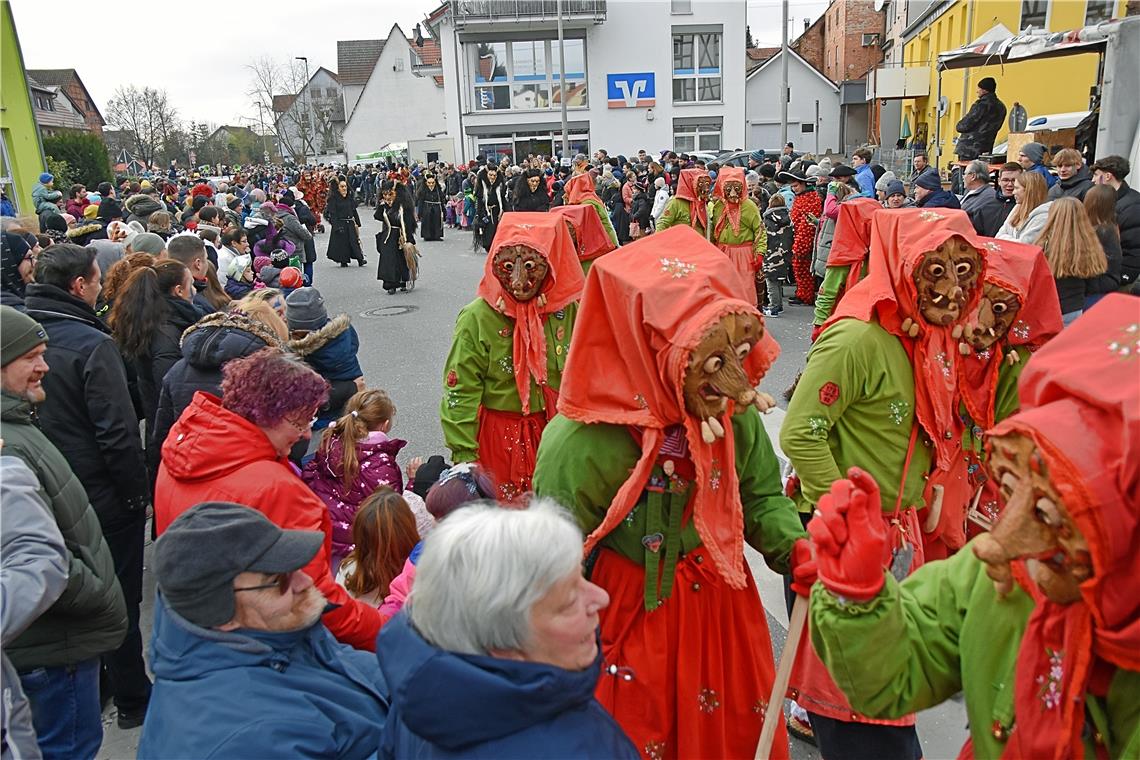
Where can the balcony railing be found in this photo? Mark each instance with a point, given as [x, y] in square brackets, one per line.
[468, 12]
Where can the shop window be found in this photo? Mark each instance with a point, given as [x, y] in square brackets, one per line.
[1099, 10]
[1034, 13]
[681, 6]
[699, 135]
[524, 75]
[696, 67]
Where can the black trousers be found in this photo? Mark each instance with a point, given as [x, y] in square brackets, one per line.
[129, 684]
[839, 739]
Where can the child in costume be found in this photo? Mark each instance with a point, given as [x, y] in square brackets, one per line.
[503, 372]
[661, 457]
[1037, 622]
[880, 391]
[738, 230]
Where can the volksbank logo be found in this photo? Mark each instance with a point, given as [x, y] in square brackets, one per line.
[631, 90]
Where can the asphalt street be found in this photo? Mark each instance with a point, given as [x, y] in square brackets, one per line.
[404, 341]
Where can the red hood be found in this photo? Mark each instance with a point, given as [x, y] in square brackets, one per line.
[593, 241]
[209, 441]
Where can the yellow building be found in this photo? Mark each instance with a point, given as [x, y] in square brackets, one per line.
[1050, 86]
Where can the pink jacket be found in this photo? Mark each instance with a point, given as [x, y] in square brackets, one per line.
[377, 457]
[399, 589]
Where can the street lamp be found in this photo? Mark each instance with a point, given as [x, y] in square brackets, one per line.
[261, 109]
[308, 108]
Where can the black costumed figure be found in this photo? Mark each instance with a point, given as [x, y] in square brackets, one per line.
[398, 225]
[344, 237]
[430, 200]
[490, 203]
[530, 192]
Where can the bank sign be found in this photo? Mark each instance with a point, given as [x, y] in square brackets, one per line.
[631, 90]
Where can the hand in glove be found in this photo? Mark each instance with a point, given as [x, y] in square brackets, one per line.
[805, 571]
[849, 537]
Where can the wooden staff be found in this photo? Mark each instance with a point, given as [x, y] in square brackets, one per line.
[775, 714]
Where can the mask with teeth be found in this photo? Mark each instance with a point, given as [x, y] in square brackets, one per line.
[996, 313]
[1034, 525]
[703, 185]
[521, 271]
[733, 192]
[945, 279]
[716, 374]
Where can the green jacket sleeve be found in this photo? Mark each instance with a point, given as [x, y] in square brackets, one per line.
[899, 652]
[757, 230]
[833, 279]
[804, 434]
[1006, 401]
[605, 217]
[771, 521]
[464, 374]
[672, 214]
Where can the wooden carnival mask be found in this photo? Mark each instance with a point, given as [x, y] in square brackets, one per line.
[521, 271]
[945, 278]
[996, 313]
[704, 183]
[733, 191]
[1033, 525]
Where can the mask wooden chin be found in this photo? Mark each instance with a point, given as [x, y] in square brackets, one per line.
[1034, 525]
[733, 192]
[996, 313]
[521, 271]
[945, 280]
[716, 371]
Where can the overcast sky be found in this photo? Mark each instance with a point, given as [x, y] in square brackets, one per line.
[198, 52]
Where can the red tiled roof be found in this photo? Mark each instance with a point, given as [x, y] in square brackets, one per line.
[281, 103]
[762, 54]
[428, 52]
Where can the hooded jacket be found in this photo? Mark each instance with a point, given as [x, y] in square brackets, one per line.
[90, 617]
[1128, 219]
[202, 461]
[1074, 187]
[331, 349]
[321, 699]
[1029, 229]
[139, 207]
[449, 705]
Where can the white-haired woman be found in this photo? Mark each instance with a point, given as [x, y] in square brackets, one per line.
[496, 653]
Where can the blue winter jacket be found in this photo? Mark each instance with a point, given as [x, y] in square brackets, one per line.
[447, 705]
[866, 179]
[1050, 178]
[247, 694]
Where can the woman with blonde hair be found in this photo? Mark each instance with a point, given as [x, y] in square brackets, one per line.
[1027, 219]
[1074, 254]
[214, 293]
[259, 305]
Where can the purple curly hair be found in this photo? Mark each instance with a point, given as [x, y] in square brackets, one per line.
[268, 386]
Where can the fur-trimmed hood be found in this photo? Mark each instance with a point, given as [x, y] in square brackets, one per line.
[216, 338]
[318, 339]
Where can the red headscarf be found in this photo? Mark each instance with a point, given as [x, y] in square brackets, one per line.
[899, 240]
[731, 210]
[592, 238]
[579, 189]
[687, 190]
[1081, 406]
[643, 313]
[852, 238]
[547, 234]
[1022, 270]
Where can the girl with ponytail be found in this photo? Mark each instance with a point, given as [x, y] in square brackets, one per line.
[355, 458]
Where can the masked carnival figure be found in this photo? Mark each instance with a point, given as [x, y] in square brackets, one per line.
[737, 228]
[689, 206]
[579, 191]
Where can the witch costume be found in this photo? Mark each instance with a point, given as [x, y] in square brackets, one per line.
[344, 237]
[490, 203]
[397, 226]
[429, 204]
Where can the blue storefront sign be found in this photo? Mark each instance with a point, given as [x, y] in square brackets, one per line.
[637, 90]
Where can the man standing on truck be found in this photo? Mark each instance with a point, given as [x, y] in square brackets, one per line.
[979, 127]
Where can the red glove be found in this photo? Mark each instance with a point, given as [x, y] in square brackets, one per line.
[804, 568]
[849, 537]
[815, 331]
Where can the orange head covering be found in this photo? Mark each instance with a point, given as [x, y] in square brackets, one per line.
[1022, 270]
[547, 234]
[1081, 406]
[592, 238]
[579, 189]
[852, 238]
[899, 240]
[643, 313]
[687, 190]
[731, 210]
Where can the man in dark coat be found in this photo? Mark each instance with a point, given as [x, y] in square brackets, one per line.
[978, 128]
[89, 415]
[1111, 170]
[986, 212]
[928, 193]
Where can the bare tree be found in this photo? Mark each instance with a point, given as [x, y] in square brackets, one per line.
[306, 125]
[146, 115]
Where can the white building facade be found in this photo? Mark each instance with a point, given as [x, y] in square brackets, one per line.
[640, 74]
[813, 107]
[309, 124]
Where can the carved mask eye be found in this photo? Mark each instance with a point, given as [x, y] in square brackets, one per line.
[528, 265]
[743, 349]
[1000, 308]
[713, 364]
[936, 270]
[963, 268]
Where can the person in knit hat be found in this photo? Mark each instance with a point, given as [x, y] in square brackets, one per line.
[1032, 159]
[327, 345]
[978, 128]
[928, 193]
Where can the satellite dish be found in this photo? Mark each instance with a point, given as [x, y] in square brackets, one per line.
[943, 104]
[879, 5]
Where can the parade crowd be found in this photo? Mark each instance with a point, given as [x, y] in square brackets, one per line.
[960, 513]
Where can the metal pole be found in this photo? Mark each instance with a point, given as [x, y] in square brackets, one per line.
[784, 79]
[562, 83]
[817, 128]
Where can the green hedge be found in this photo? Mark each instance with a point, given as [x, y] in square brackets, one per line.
[85, 154]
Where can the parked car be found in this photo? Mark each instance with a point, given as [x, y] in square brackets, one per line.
[740, 157]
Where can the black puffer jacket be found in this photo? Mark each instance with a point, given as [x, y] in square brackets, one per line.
[209, 344]
[140, 207]
[978, 128]
[89, 413]
[90, 617]
[1128, 219]
[1074, 187]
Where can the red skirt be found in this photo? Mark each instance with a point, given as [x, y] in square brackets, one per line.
[508, 448]
[692, 678]
[744, 260]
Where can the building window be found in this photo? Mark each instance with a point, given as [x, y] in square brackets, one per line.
[696, 135]
[524, 75]
[696, 67]
[1099, 10]
[330, 93]
[1034, 13]
[399, 64]
[681, 6]
[315, 92]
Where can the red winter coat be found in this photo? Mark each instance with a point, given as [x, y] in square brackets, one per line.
[213, 454]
